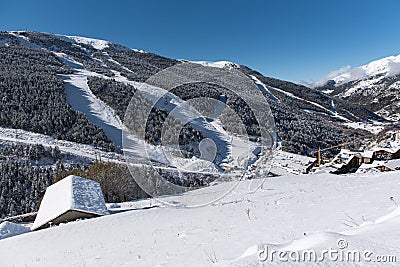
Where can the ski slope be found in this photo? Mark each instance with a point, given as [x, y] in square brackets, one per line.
[228, 152]
[330, 111]
[87, 151]
[264, 89]
[82, 99]
[293, 213]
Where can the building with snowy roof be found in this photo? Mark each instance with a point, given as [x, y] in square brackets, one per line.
[70, 199]
[393, 164]
[367, 156]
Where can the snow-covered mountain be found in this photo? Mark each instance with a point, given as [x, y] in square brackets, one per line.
[386, 67]
[64, 98]
[218, 64]
[63, 102]
[85, 58]
[375, 85]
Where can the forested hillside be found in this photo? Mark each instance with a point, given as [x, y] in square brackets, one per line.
[32, 97]
[36, 67]
[25, 173]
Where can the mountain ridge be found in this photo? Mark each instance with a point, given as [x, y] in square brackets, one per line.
[138, 65]
[374, 85]
[75, 96]
[387, 66]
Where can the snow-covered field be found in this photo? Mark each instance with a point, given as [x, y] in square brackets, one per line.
[292, 213]
[284, 163]
[373, 127]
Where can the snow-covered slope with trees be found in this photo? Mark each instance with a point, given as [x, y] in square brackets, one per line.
[76, 90]
[63, 100]
[86, 57]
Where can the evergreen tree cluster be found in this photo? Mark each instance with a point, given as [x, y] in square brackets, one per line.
[25, 173]
[239, 106]
[115, 94]
[302, 131]
[32, 152]
[348, 109]
[142, 65]
[22, 185]
[32, 98]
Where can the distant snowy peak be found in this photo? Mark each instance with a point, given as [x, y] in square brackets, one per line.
[218, 64]
[374, 85]
[388, 66]
[95, 43]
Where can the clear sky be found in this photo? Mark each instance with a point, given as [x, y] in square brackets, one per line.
[288, 39]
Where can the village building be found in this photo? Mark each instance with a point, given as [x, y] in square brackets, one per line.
[367, 157]
[379, 159]
[70, 199]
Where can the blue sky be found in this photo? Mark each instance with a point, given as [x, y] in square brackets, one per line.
[288, 39]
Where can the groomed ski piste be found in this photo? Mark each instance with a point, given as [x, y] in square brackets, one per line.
[80, 97]
[295, 213]
[19, 136]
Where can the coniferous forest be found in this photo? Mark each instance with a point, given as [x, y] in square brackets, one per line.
[33, 98]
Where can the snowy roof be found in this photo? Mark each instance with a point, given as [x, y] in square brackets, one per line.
[393, 164]
[349, 159]
[368, 154]
[324, 169]
[387, 149]
[9, 229]
[71, 193]
[348, 153]
[374, 164]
